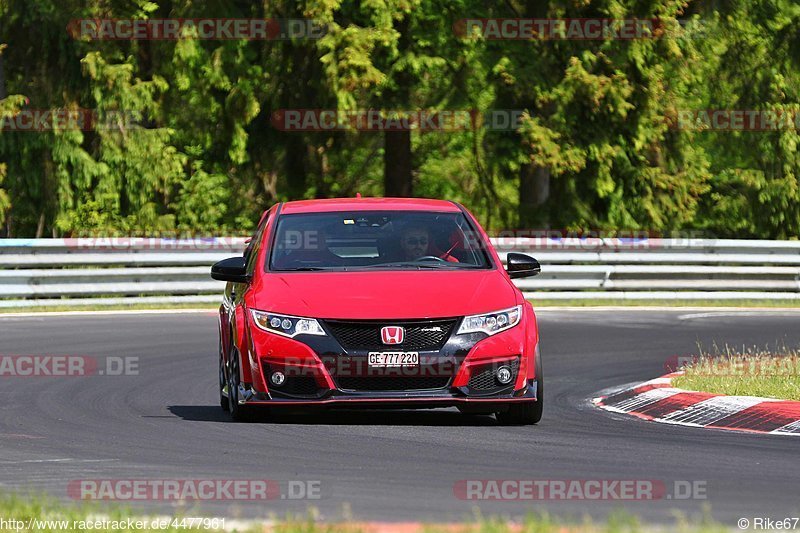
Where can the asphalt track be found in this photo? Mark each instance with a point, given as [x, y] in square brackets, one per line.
[165, 423]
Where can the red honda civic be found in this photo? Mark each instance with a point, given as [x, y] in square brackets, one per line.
[377, 302]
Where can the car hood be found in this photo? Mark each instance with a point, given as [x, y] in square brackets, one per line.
[384, 295]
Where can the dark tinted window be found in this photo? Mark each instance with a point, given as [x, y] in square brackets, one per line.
[253, 247]
[377, 240]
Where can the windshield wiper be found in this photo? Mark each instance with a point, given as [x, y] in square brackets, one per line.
[412, 264]
[311, 269]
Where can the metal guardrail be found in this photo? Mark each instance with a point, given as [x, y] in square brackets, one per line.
[118, 271]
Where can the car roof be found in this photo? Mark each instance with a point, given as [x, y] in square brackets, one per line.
[368, 204]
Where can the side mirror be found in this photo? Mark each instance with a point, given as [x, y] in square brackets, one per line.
[521, 265]
[232, 269]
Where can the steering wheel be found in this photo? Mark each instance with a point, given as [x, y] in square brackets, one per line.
[430, 258]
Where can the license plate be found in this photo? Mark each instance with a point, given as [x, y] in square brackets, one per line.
[393, 359]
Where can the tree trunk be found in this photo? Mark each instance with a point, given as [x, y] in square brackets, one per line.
[397, 168]
[295, 166]
[397, 176]
[534, 191]
[323, 189]
[40, 226]
[2, 78]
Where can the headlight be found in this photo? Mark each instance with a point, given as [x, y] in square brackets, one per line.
[286, 325]
[491, 323]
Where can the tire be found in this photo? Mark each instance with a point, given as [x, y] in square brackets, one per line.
[526, 413]
[239, 413]
[223, 400]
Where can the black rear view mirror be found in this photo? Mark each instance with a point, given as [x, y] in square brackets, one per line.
[233, 269]
[521, 265]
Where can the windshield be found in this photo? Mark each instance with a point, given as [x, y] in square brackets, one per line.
[402, 240]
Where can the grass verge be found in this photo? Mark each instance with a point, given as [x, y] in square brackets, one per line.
[745, 372]
[43, 515]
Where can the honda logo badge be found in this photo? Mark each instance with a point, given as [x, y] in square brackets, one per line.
[392, 335]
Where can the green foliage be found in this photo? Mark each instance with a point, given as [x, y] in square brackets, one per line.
[753, 371]
[5, 201]
[754, 65]
[185, 141]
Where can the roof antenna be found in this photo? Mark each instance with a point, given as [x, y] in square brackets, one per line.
[358, 196]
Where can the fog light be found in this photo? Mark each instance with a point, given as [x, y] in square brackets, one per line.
[277, 378]
[503, 375]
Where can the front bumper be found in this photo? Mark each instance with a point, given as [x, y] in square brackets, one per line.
[381, 399]
[324, 372]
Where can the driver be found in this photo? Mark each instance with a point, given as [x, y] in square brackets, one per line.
[416, 243]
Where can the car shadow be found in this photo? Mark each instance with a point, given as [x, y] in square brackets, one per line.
[342, 417]
[199, 413]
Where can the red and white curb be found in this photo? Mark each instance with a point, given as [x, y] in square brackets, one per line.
[657, 400]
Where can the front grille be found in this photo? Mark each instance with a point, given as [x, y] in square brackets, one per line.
[392, 383]
[428, 335]
[483, 378]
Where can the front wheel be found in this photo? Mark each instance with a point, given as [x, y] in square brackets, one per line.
[526, 413]
[223, 398]
[240, 413]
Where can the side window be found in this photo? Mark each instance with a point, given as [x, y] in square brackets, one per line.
[253, 247]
